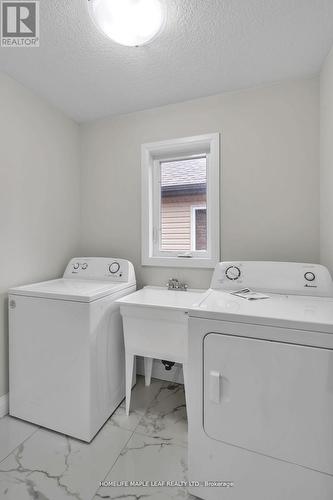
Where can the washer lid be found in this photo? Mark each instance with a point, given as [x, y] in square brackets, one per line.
[70, 289]
[289, 311]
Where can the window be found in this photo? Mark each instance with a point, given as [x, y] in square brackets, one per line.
[180, 202]
[183, 183]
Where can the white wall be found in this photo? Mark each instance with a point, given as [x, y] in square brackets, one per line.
[269, 193]
[269, 166]
[39, 195]
[326, 162]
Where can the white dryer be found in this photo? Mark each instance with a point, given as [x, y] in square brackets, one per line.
[260, 397]
[66, 347]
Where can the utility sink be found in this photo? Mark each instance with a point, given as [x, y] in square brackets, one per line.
[160, 297]
[155, 327]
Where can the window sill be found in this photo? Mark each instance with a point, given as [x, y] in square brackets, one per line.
[180, 262]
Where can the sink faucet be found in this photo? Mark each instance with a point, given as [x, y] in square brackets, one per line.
[175, 284]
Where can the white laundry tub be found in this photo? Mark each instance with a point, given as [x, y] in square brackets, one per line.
[155, 326]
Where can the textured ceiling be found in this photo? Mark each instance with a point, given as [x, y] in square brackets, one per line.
[208, 46]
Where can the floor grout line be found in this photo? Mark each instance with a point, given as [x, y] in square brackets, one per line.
[114, 463]
[22, 442]
[132, 432]
[125, 445]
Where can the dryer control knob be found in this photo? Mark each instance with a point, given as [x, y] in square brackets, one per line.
[114, 267]
[76, 265]
[309, 276]
[233, 273]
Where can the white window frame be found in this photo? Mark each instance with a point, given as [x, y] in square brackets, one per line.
[194, 209]
[151, 155]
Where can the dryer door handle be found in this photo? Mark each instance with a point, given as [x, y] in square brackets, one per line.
[215, 386]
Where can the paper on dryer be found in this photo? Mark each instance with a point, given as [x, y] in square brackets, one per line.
[248, 294]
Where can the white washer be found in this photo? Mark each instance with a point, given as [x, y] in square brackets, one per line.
[260, 397]
[66, 347]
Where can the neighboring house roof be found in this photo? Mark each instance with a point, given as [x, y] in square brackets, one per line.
[183, 174]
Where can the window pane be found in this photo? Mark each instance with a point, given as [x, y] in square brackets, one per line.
[183, 185]
[201, 229]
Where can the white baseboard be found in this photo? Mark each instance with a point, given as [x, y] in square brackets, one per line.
[4, 400]
[174, 375]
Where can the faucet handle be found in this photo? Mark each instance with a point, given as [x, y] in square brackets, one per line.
[173, 284]
[170, 283]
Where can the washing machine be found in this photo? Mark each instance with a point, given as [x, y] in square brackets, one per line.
[66, 347]
[260, 396]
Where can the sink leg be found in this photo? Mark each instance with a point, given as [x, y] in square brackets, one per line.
[148, 369]
[129, 378]
[185, 374]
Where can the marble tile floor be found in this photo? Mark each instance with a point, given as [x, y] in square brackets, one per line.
[149, 445]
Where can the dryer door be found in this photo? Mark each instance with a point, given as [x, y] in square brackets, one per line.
[272, 398]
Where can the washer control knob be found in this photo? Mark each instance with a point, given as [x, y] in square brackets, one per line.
[84, 266]
[76, 265]
[309, 276]
[114, 267]
[233, 273]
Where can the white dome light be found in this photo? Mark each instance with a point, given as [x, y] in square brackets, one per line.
[128, 22]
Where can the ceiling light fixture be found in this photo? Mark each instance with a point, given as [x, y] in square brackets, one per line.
[128, 22]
